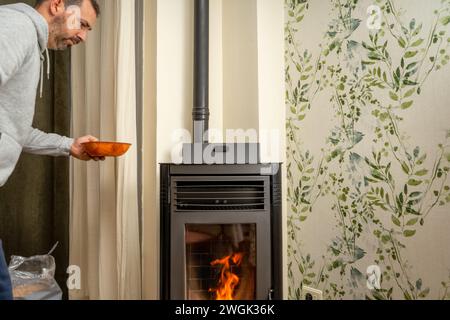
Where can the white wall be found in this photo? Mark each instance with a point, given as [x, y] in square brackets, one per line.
[240, 64]
[271, 92]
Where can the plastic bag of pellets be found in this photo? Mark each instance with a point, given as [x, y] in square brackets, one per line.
[34, 278]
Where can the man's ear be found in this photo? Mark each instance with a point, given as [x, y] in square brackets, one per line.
[57, 7]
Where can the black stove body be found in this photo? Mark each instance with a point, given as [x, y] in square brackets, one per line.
[212, 211]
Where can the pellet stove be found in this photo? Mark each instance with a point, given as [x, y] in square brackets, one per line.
[220, 209]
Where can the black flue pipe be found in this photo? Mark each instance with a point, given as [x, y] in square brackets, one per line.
[200, 112]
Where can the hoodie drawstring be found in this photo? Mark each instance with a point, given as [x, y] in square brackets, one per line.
[42, 71]
[41, 74]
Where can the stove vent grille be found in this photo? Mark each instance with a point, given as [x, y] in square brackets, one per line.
[221, 195]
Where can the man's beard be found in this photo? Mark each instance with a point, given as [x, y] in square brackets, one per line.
[56, 33]
[61, 44]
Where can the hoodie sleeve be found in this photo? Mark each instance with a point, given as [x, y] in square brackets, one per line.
[47, 144]
[16, 43]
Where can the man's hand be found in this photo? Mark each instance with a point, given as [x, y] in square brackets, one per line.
[78, 151]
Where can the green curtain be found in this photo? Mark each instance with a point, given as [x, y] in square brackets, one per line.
[34, 204]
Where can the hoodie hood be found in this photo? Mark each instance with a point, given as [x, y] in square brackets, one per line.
[38, 20]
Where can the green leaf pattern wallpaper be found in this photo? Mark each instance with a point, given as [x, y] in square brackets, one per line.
[368, 136]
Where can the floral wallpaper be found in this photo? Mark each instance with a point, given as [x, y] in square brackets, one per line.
[368, 131]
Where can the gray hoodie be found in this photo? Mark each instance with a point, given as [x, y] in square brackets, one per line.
[23, 40]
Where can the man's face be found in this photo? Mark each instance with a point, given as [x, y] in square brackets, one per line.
[70, 24]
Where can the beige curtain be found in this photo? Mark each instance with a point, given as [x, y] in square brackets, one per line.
[104, 226]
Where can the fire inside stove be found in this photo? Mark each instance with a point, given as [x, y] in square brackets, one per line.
[221, 262]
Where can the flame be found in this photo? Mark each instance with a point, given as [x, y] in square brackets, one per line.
[228, 280]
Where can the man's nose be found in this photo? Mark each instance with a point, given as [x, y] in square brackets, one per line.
[82, 35]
